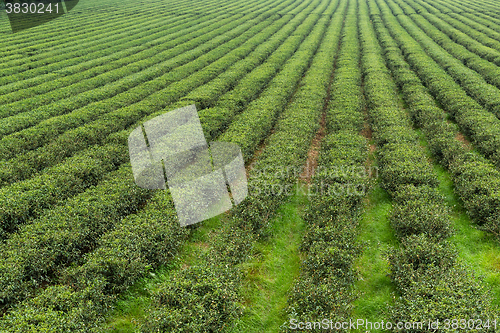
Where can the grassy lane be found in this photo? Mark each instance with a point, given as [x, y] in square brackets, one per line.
[477, 248]
[271, 272]
[374, 287]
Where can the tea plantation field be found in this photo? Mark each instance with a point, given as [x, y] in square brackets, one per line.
[370, 131]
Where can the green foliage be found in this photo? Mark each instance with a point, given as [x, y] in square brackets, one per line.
[420, 210]
[198, 299]
[419, 257]
[476, 180]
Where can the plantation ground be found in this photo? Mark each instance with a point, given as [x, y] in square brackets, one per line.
[395, 104]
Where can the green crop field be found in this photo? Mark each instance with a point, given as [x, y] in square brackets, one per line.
[370, 132]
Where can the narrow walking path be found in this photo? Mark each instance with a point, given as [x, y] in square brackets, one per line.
[374, 287]
[271, 272]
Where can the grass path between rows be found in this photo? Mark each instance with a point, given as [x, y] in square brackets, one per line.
[270, 274]
[374, 288]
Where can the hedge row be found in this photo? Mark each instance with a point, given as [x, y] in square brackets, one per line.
[231, 91]
[84, 194]
[405, 171]
[33, 256]
[475, 122]
[83, 27]
[473, 40]
[97, 131]
[84, 294]
[25, 200]
[483, 18]
[133, 89]
[95, 11]
[89, 75]
[91, 288]
[218, 279]
[329, 247]
[43, 65]
[250, 127]
[480, 25]
[476, 180]
[17, 213]
[139, 57]
[97, 54]
[55, 39]
[433, 285]
[250, 86]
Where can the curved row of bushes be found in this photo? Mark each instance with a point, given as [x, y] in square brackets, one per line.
[471, 82]
[475, 41]
[485, 8]
[55, 39]
[479, 23]
[483, 41]
[77, 179]
[329, 247]
[84, 294]
[191, 76]
[138, 54]
[25, 95]
[123, 148]
[97, 48]
[131, 90]
[475, 122]
[433, 284]
[482, 28]
[32, 257]
[89, 289]
[450, 40]
[39, 65]
[466, 16]
[250, 127]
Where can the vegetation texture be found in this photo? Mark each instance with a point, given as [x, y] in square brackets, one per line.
[370, 131]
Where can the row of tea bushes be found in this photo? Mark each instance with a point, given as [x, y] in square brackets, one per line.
[143, 31]
[76, 176]
[475, 122]
[144, 49]
[24, 165]
[443, 34]
[476, 179]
